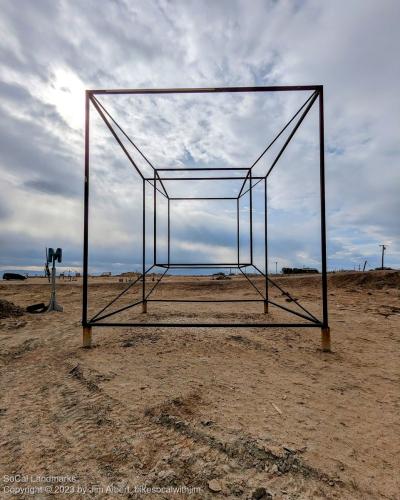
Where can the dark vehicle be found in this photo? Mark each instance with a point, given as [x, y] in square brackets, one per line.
[13, 276]
[297, 270]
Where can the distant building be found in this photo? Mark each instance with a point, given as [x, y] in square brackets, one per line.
[296, 270]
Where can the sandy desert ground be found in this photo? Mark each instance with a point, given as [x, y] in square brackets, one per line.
[226, 412]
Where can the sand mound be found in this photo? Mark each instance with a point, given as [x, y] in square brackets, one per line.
[370, 279]
[9, 310]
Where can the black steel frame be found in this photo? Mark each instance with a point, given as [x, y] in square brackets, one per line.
[249, 181]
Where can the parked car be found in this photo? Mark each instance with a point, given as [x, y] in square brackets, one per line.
[13, 276]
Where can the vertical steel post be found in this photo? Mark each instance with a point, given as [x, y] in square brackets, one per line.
[251, 218]
[266, 245]
[169, 232]
[325, 331]
[155, 220]
[238, 230]
[144, 303]
[87, 330]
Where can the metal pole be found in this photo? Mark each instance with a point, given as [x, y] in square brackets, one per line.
[144, 304]
[266, 246]
[238, 231]
[155, 220]
[325, 331]
[87, 330]
[181, 90]
[383, 254]
[169, 232]
[251, 217]
[53, 283]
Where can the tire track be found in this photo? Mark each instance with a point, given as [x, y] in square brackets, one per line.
[148, 444]
[132, 446]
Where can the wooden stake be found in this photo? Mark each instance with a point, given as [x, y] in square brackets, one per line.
[326, 339]
[265, 307]
[144, 307]
[87, 336]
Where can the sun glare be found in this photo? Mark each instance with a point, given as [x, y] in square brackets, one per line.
[67, 92]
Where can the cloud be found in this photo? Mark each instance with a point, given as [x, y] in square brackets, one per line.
[56, 49]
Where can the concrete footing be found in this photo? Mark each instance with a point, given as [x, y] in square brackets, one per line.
[326, 339]
[87, 336]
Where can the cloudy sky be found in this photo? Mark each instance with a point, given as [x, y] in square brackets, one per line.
[51, 51]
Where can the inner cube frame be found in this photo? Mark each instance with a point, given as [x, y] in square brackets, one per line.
[157, 185]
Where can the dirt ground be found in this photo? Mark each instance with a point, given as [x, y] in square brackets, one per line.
[201, 412]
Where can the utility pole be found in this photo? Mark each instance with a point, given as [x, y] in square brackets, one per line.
[383, 254]
[365, 265]
[276, 268]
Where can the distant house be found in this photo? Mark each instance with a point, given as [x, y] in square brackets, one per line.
[106, 273]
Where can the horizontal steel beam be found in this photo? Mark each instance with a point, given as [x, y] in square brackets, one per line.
[237, 178]
[194, 265]
[193, 169]
[201, 198]
[206, 300]
[207, 90]
[209, 325]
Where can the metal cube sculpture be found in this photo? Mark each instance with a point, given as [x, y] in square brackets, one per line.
[157, 184]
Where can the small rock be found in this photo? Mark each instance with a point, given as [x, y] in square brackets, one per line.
[236, 490]
[207, 423]
[127, 343]
[273, 469]
[214, 485]
[284, 467]
[76, 370]
[289, 450]
[167, 474]
[261, 493]
[275, 450]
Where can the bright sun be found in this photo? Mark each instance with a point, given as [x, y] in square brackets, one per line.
[67, 93]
